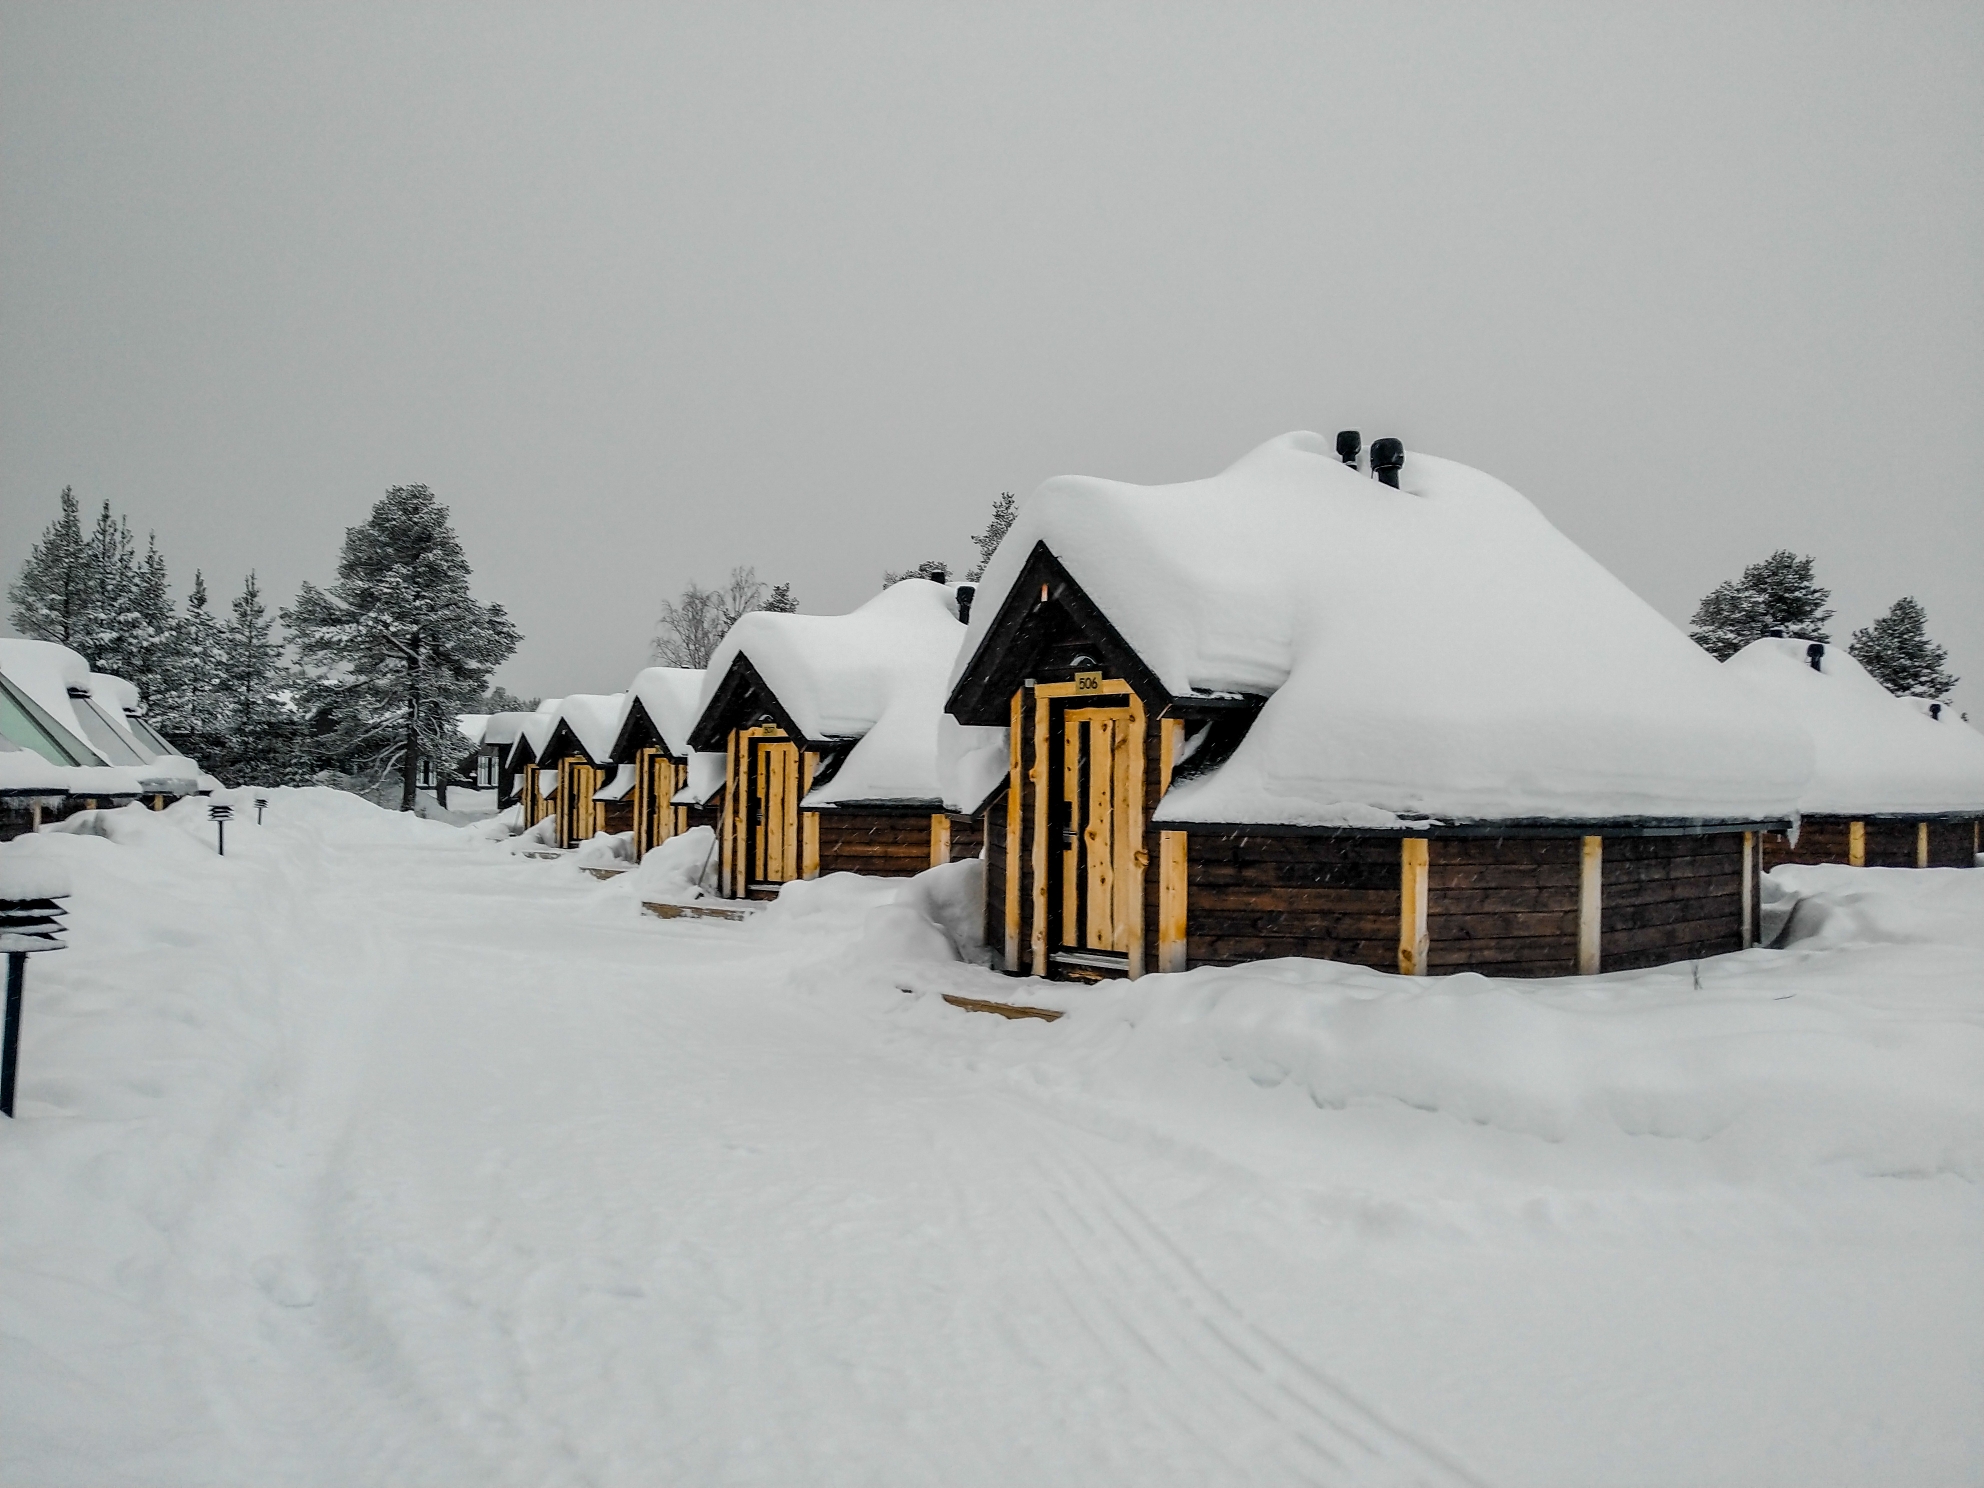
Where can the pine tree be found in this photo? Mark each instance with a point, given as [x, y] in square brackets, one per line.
[108, 618]
[397, 647]
[1778, 594]
[48, 595]
[987, 542]
[781, 601]
[189, 705]
[1897, 652]
[257, 699]
[145, 652]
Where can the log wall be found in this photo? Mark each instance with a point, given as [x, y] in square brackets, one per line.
[887, 846]
[1889, 844]
[1254, 897]
[1503, 906]
[1953, 844]
[1671, 899]
[995, 877]
[968, 835]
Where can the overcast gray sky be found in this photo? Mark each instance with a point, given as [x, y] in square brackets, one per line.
[646, 291]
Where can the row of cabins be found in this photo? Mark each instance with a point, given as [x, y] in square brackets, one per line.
[74, 740]
[1383, 714]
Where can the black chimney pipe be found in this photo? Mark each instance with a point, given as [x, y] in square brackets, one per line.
[1816, 653]
[965, 592]
[1387, 455]
[1348, 443]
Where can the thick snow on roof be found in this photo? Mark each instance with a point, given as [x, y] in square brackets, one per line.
[1438, 651]
[503, 728]
[592, 717]
[534, 729]
[46, 672]
[1875, 752]
[673, 697]
[95, 725]
[877, 675]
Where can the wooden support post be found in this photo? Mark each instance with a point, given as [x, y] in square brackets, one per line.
[1038, 783]
[1015, 815]
[1921, 844]
[1591, 904]
[1172, 860]
[1412, 940]
[940, 839]
[1750, 929]
[1856, 844]
[1134, 819]
[809, 823]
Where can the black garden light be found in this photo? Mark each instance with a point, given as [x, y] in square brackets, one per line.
[27, 925]
[220, 816]
[260, 803]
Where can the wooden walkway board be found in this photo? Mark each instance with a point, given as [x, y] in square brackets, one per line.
[695, 912]
[1003, 1009]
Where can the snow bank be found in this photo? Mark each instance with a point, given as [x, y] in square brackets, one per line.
[679, 871]
[1435, 651]
[1873, 752]
[876, 675]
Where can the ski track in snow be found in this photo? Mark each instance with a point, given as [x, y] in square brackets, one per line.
[516, 1191]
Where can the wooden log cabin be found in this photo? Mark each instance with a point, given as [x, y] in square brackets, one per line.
[579, 748]
[1896, 782]
[533, 787]
[827, 725]
[673, 787]
[1402, 722]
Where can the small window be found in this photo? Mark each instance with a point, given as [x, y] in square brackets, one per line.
[425, 774]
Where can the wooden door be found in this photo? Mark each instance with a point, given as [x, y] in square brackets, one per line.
[578, 813]
[1098, 817]
[773, 830]
[654, 789]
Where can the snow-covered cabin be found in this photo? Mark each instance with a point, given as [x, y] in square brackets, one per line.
[535, 788]
[674, 786]
[72, 739]
[493, 759]
[828, 726]
[588, 797]
[1896, 782]
[1293, 710]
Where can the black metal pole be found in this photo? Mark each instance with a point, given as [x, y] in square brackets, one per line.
[10, 1050]
[220, 830]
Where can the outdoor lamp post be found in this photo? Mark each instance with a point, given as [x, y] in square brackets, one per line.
[221, 816]
[27, 925]
[260, 802]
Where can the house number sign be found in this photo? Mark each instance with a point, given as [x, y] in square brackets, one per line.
[1088, 681]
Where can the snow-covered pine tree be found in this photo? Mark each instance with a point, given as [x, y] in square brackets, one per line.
[987, 542]
[781, 601]
[258, 687]
[144, 655]
[47, 596]
[108, 622]
[1779, 593]
[189, 707]
[397, 647]
[1897, 652]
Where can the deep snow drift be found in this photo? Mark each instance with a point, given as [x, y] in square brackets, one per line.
[376, 1152]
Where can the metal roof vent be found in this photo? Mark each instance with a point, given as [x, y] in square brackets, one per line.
[965, 593]
[1387, 455]
[1816, 653]
[1348, 443]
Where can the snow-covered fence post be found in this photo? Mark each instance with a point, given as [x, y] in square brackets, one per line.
[30, 921]
[220, 816]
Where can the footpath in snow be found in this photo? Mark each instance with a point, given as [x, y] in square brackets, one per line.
[376, 1152]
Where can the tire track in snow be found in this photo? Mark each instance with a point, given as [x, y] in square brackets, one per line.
[1341, 1440]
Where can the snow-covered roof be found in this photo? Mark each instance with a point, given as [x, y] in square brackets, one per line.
[472, 726]
[88, 713]
[671, 697]
[876, 675]
[591, 719]
[534, 729]
[1875, 753]
[503, 728]
[1438, 651]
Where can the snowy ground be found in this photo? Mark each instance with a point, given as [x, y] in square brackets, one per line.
[376, 1153]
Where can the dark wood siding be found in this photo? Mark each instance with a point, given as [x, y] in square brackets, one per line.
[1153, 793]
[1821, 839]
[1029, 800]
[886, 846]
[1891, 844]
[616, 816]
[1953, 844]
[968, 834]
[1254, 897]
[1503, 906]
[710, 815]
[995, 880]
[1671, 899]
